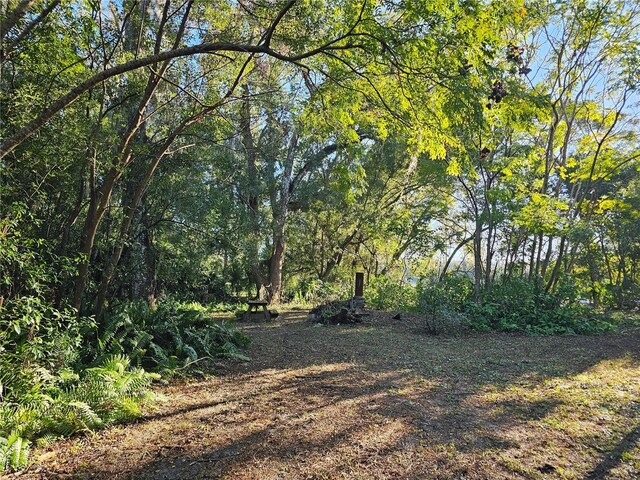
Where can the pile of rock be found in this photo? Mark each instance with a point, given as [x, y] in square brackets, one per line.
[338, 312]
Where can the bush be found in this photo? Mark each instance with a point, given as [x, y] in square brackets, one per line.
[442, 301]
[519, 305]
[36, 338]
[449, 294]
[32, 331]
[226, 307]
[383, 293]
[512, 304]
[100, 384]
[58, 406]
[314, 292]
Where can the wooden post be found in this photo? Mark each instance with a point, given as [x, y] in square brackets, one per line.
[359, 284]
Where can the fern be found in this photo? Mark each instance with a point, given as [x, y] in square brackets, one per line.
[165, 339]
[41, 407]
[114, 364]
[126, 409]
[66, 418]
[14, 451]
[47, 439]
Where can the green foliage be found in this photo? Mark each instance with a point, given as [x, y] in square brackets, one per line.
[168, 338]
[110, 393]
[32, 330]
[226, 307]
[442, 301]
[315, 292]
[512, 305]
[383, 293]
[448, 294]
[14, 452]
[415, 133]
[55, 406]
[518, 305]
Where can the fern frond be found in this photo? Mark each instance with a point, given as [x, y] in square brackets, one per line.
[14, 451]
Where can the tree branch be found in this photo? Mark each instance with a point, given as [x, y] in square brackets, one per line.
[203, 48]
[14, 17]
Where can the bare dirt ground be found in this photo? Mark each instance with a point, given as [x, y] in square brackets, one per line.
[382, 400]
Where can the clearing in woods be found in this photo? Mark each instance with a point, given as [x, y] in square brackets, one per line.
[380, 400]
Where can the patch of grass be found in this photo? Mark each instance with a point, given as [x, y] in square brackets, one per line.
[514, 465]
[593, 410]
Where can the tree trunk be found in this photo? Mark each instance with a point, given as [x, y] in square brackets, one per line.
[150, 261]
[450, 258]
[252, 192]
[280, 220]
[556, 268]
[489, 253]
[477, 259]
[98, 206]
[547, 258]
[336, 258]
[532, 258]
[277, 261]
[122, 158]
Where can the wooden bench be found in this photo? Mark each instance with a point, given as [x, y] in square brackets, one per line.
[254, 308]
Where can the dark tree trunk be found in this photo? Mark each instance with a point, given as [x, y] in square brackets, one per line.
[252, 191]
[477, 259]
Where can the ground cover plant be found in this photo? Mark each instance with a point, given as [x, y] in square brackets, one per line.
[169, 337]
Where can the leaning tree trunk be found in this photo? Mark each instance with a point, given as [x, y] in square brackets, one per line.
[123, 157]
[144, 184]
[97, 207]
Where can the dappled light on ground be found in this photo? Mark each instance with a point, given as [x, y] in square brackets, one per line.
[568, 416]
[384, 401]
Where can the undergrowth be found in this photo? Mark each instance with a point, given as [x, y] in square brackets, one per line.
[169, 338]
[60, 374]
[57, 406]
[512, 305]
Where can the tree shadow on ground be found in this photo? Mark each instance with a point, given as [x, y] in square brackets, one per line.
[369, 401]
[613, 458]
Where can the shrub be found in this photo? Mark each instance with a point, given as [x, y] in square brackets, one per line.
[518, 305]
[442, 302]
[445, 322]
[512, 304]
[226, 307]
[305, 292]
[383, 293]
[449, 294]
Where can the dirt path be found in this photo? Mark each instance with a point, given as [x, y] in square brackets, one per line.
[382, 401]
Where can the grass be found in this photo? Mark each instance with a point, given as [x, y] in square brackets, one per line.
[384, 400]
